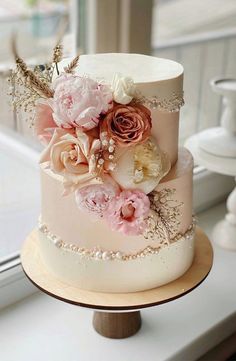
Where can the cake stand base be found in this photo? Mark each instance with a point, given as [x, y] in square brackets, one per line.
[116, 315]
[117, 325]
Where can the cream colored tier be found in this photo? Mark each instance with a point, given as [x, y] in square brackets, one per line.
[155, 78]
[62, 217]
[133, 275]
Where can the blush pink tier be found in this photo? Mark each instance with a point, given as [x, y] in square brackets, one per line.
[85, 252]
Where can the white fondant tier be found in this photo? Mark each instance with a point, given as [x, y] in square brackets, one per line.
[155, 78]
[118, 276]
[64, 219]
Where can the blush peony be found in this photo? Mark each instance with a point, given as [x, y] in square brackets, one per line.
[79, 101]
[127, 212]
[95, 198]
[127, 124]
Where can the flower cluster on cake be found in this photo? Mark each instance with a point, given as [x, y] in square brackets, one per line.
[97, 136]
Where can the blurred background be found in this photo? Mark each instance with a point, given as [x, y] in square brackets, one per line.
[199, 34]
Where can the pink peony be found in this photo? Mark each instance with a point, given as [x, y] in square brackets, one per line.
[95, 198]
[44, 125]
[126, 213]
[78, 101]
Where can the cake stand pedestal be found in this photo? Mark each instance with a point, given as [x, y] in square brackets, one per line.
[117, 315]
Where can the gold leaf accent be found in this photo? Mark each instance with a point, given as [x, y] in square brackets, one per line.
[170, 104]
[163, 221]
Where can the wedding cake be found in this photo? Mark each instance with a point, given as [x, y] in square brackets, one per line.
[116, 189]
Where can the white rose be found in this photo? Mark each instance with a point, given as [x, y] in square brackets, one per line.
[123, 89]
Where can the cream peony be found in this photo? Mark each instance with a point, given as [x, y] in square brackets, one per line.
[141, 167]
[123, 89]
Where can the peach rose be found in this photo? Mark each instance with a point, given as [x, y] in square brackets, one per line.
[73, 157]
[127, 124]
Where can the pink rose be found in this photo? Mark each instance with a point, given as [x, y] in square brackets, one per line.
[95, 198]
[44, 124]
[127, 212]
[127, 125]
[78, 101]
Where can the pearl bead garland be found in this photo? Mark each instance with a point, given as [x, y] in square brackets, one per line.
[105, 255]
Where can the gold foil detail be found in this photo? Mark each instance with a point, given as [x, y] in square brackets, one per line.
[163, 221]
[171, 104]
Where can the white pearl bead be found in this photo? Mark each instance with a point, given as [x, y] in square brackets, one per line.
[118, 255]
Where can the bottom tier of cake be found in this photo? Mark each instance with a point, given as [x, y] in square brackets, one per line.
[106, 271]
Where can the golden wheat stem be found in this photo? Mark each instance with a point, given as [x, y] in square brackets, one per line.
[72, 65]
[29, 75]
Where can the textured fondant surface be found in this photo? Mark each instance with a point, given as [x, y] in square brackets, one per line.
[119, 276]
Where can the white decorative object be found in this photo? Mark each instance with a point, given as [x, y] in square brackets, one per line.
[224, 233]
[221, 141]
[123, 88]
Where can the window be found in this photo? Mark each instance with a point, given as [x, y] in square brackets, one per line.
[36, 24]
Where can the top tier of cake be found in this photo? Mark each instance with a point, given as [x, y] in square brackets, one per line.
[158, 81]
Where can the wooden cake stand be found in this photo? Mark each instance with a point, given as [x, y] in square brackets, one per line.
[117, 315]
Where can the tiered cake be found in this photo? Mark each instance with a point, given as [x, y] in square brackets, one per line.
[116, 190]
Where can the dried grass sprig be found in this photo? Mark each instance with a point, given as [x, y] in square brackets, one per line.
[72, 65]
[58, 49]
[29, 75]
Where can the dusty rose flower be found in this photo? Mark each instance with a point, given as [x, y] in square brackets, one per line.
[95, 198]
[79, 101]
[127, 212]
[44, 124]
[72, 156]
[127, 124]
